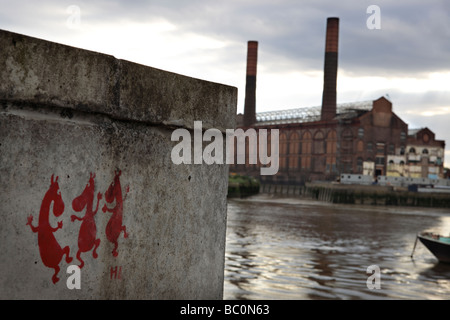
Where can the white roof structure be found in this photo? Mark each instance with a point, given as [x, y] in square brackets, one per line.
[310, 114]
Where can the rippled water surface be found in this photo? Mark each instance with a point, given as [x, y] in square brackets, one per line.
[283, 248]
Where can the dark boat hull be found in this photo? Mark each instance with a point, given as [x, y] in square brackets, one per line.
[439, 249]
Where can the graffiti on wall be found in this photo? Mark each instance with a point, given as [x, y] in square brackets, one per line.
[50, 250]
[87, 237]
[114, 226]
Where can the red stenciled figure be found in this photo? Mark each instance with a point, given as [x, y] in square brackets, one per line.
[87, 237]
[49, 248]
[114, 226]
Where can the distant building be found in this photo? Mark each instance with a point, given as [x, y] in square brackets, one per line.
[320, 143]
[422, 157]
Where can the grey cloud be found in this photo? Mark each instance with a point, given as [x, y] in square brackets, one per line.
[413, 37]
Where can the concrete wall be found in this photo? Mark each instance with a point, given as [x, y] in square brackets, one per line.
[83, 134]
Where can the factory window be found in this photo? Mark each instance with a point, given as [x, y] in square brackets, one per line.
[369, 146]
[402, 150]
[331, 142]
[294, 150]
[360, 132]
[283, 144]
[402, 136]
[425, 151]
[294, 144]
[306, 143]
[318, 143]
[380, 148]
[379, 161]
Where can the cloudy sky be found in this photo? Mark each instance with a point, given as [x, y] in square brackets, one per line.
[407, 58]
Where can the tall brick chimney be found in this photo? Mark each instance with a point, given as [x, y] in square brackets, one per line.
[330, 70]
[250, 86]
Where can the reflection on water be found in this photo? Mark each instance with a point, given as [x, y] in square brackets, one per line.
[297, 249]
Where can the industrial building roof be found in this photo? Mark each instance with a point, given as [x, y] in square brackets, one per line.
[311, 114]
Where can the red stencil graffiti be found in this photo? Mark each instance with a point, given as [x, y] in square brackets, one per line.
[87, 237]
[115, 227]
[50, 250]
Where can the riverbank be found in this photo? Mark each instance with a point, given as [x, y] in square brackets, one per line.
[242, 186]
[373, 195]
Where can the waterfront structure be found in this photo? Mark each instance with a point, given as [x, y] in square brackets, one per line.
[320, 143]
[84, 134]
[422, 157]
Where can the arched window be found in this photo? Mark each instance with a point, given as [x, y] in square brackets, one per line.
[331, 142]
[331, 149]
[283, 144]
[306, 144]
[294, 143]
[319, 142]
[294, 150]
[283, 150]
[425, 151]
[412, 150]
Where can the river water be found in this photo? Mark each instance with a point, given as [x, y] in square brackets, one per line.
[291, 248]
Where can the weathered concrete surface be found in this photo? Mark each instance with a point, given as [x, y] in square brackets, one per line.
[84, 117]
[49, 73]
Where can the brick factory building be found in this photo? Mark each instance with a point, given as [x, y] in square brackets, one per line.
[320, 143]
